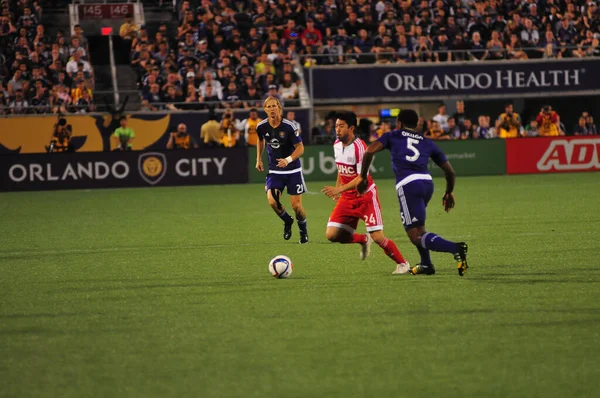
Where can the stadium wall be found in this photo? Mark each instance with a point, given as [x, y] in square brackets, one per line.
[123, 169]
[91, 133]
[469, 158]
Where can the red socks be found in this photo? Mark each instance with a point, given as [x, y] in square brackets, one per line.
[390, 248]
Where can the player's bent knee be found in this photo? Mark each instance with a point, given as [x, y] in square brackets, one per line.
[332, 235]
[416, 240]
[377, 237]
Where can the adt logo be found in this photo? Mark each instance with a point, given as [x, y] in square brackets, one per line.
[574, 155]
[152, 167]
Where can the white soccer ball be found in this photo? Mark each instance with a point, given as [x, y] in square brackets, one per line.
[281, 266]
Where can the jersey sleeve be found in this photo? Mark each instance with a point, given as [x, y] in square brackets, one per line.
[296, 138]
[437, 155]
[260, 132]
[359, 151]
[385, 140]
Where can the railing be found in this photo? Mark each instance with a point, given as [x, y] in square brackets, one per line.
[99, 106]
[454, 55]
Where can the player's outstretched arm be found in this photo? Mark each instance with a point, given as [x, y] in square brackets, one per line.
[298, 152]
[334, 192]
[260, 147]
[372, 149]
[448, 199]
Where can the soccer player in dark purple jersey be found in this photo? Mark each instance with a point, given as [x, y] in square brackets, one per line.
[410, 153]
[284, 149]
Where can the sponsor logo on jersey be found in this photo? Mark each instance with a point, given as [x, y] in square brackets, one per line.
[274, 143]
[152, 167]
[575, 155]
[346, 170]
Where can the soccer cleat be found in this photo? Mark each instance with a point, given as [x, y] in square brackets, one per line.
[423, 269]
[365, 249]
[303, 237]
[287, 230]
[461, 258]
[401, 269]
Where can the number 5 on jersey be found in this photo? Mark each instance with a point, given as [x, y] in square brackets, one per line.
[410, 144]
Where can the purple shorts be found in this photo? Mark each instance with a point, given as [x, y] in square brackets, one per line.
[294, 182]
[413, 198]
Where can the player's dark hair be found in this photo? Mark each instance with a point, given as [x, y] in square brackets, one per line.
[349, 117]
[409, 118]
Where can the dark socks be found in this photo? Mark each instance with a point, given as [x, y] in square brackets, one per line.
[425, 257]
[286, 217]
[436, 243]
[302, 224]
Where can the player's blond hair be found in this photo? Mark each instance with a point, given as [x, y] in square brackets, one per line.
[271, 98]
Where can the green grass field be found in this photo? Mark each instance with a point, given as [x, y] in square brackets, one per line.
[165, 292]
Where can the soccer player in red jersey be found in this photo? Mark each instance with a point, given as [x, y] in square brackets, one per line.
[351, 206]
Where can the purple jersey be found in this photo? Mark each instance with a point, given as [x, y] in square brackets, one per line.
[280, 143]
[410, 154]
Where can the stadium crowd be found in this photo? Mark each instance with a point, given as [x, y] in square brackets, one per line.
[39, 73]
[464, 125]
[235, 52]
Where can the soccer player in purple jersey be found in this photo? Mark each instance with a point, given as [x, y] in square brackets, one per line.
[284, 148]
[410, 153]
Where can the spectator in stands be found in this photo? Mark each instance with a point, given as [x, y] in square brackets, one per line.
[291, 116]
[172, 98]
[230, 135]
[74, 64]
[454, 130]
[549, 122]
[467, 131]
[478, 50]
[181, 139]
[210, 131]
[78, 33]
[442, 117]
[436, 132]
[532, 129]
[404, 50]
[334, 51]
[460, 115]
[152, 101]
[581, 128]
[589, 120]
[209, 80]
[288, 89]
[17, 83]
[248, 126]
[495, 47]
[231, 96]
[514, 49]
[508, 124]
[19, 105]
[530, 36]
[273, 92]
[129, 29]
[483, 130]
[85, 103]
[77, 92]
[442, 47]
[422, 52]
[123, 136]
[209, 95]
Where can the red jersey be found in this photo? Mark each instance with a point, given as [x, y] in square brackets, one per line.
[348, 161]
